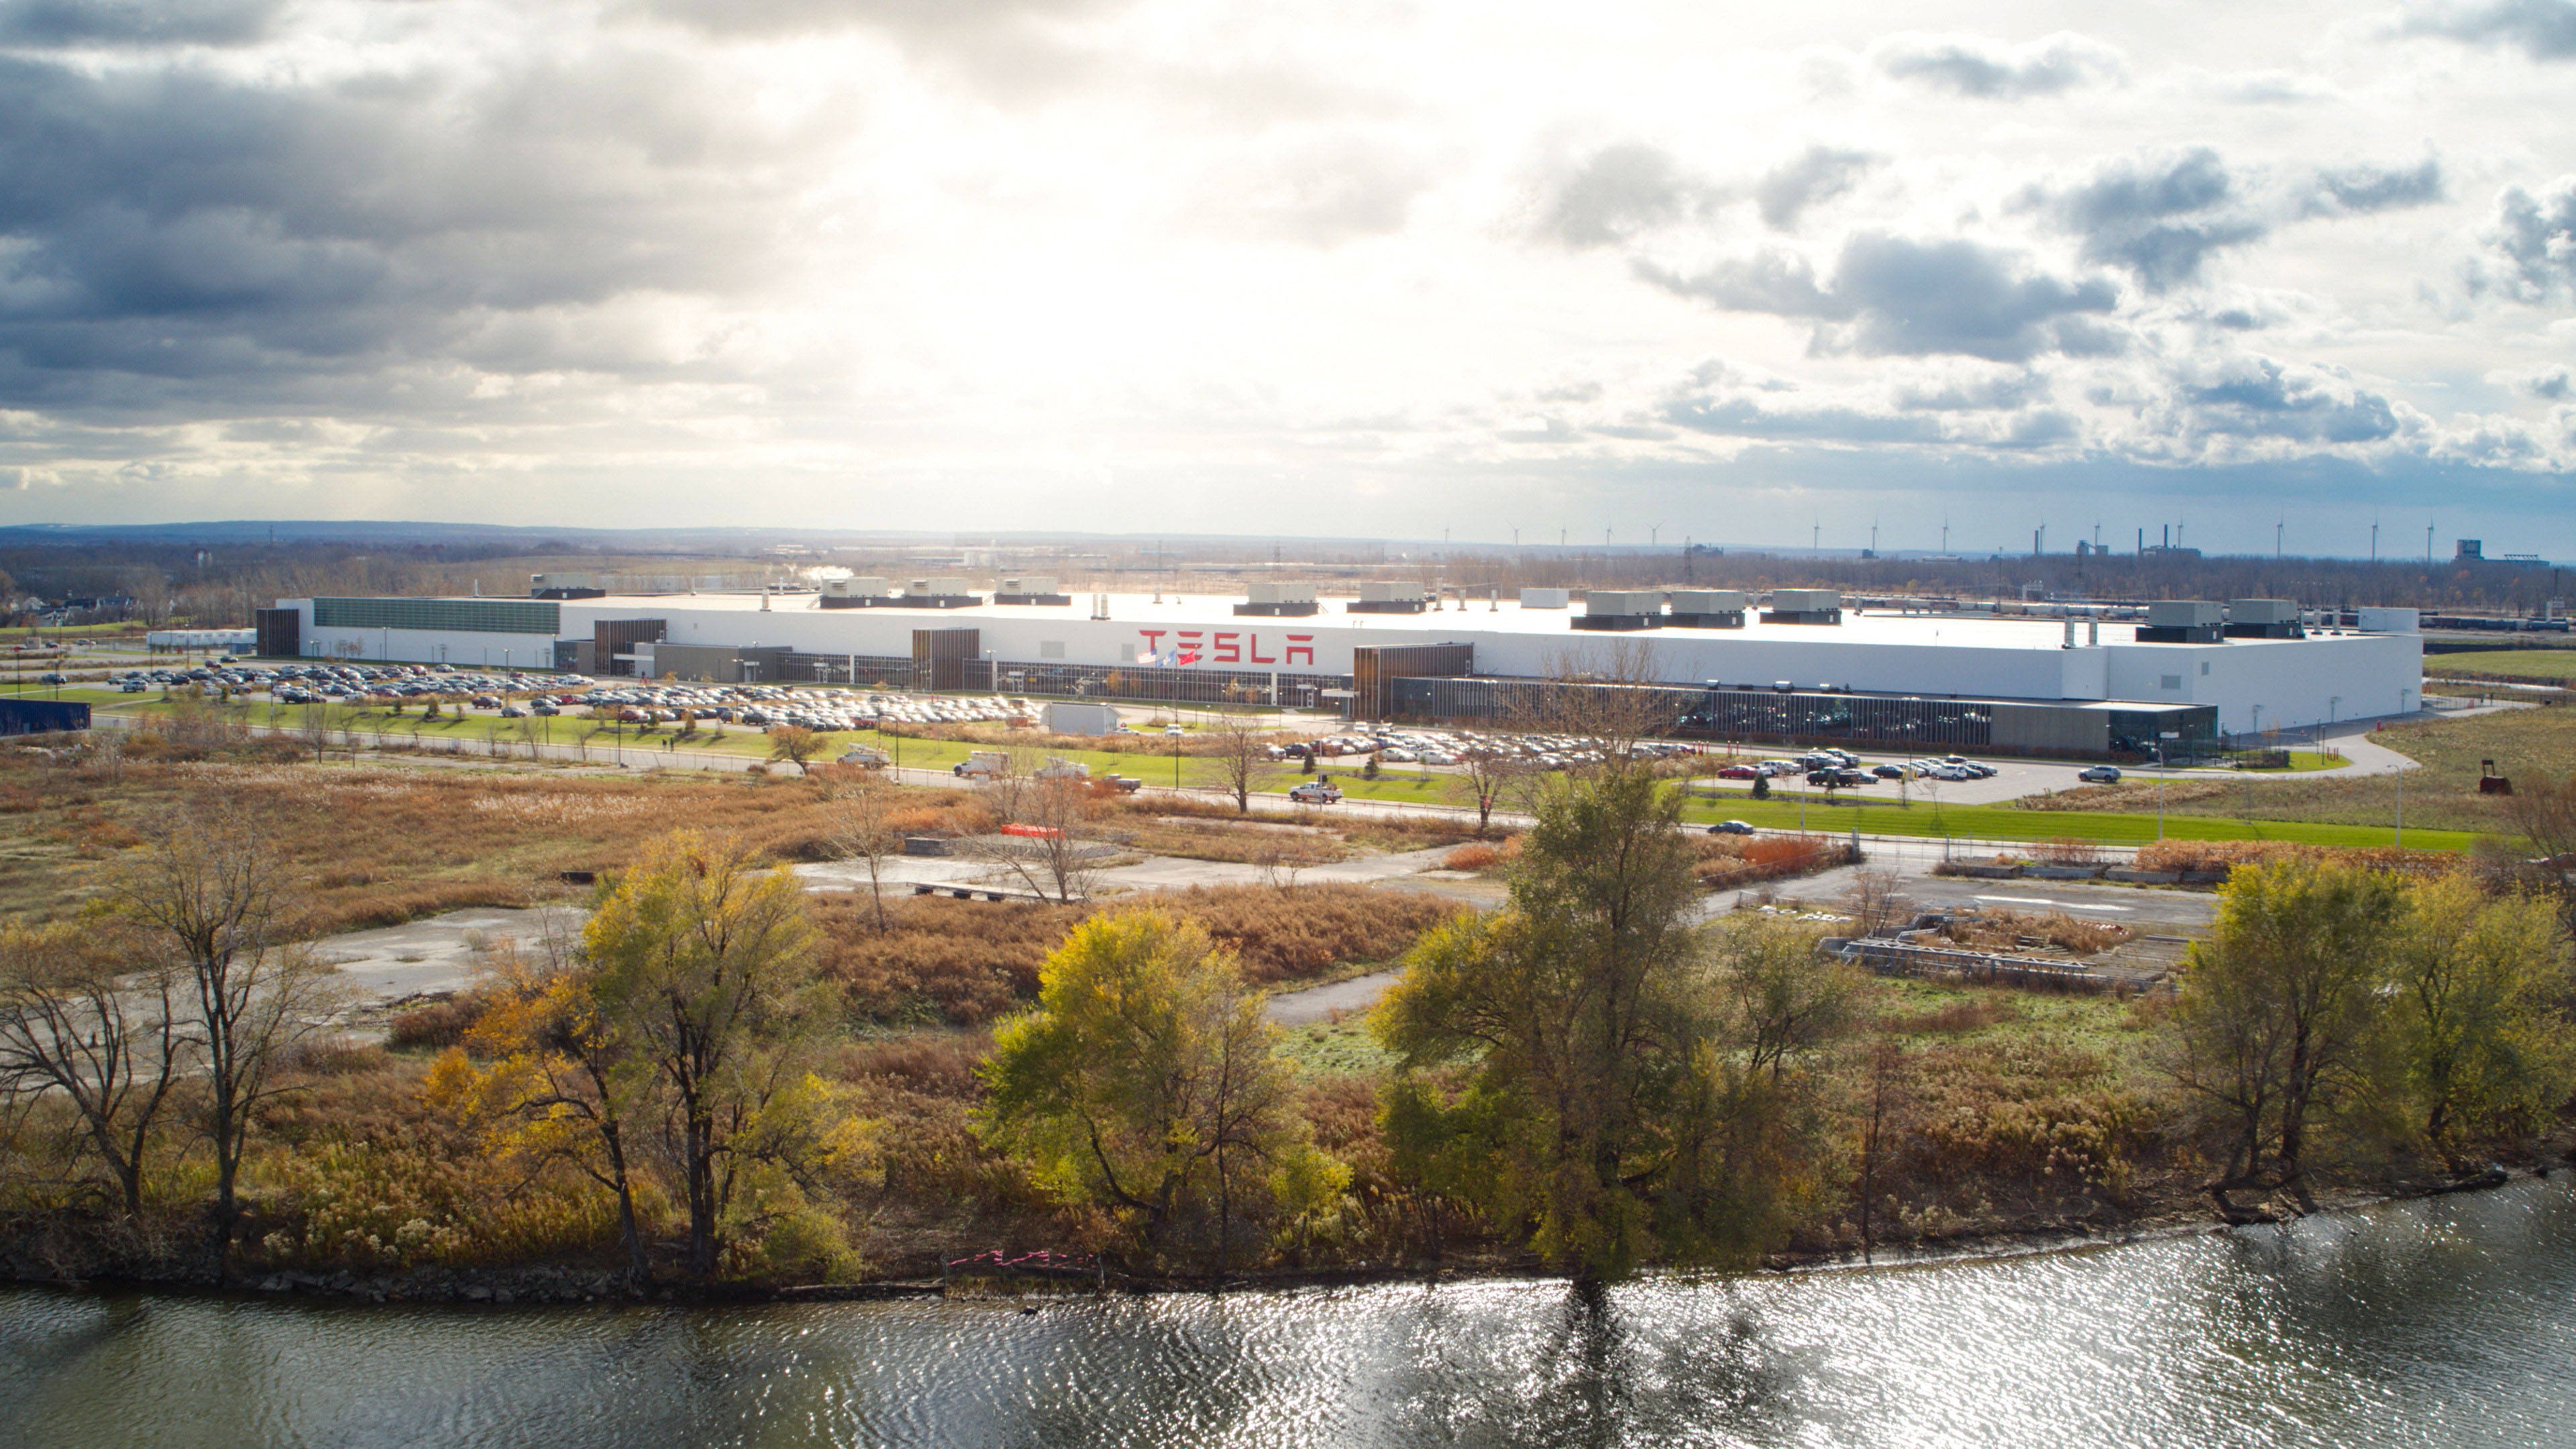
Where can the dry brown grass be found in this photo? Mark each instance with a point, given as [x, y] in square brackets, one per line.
[1734, 860]
[2225, 855]
[966, 962]
[1475, 855]
[2007, 931]
[376, 844]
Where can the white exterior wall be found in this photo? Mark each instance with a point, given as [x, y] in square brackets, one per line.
[2297, 682]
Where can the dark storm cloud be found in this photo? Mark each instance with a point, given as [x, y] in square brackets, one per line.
[1897, 296]
[1988, 70]
[1621, 190]
[2361, 190]
[1819, 175]
[176, 223]
[2541, 29]
[2536, 235]
[123, 23]
[2159, 219]
[2260, 398]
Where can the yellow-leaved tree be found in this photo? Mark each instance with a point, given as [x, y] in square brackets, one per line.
[1147, 1083]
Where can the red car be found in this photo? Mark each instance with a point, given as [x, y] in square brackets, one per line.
[1739, 772]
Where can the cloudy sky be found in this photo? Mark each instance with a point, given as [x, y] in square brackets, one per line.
[1742, 273]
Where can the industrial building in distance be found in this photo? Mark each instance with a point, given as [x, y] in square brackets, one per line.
[1795, 665]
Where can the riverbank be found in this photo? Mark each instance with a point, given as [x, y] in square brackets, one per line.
[559, 1285]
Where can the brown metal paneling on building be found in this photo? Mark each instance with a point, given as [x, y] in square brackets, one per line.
[281, 633]
[612, 637]
[1376, 667]
[940, 657]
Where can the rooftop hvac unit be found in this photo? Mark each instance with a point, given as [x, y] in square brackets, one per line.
[1381, 596]
[1546, 598]
[1278, 598]
[2390, 621]
[1708, 609]
[1805, 606]
[2263, 619]
[2183, 621]
[1622, 609]
[865, 592]
[1032, 589]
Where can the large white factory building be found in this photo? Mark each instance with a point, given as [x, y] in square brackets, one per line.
[2251, 666]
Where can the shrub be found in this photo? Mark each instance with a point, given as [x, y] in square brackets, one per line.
[1473, 856]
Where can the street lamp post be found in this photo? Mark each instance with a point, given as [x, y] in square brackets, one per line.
[2161, 767]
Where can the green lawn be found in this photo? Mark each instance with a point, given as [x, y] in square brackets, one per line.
[1987, 822]
[2005, 822]
[2545, 665]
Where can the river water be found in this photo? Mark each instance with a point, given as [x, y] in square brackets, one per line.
[2448, 1322]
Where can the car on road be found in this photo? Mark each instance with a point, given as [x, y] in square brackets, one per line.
[51, 679]
[1125, 784]
[1315, 792]
[2100, 775]
[1730, 827]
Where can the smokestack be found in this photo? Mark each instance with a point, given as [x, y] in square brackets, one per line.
[2070, 631]
[2093, 627]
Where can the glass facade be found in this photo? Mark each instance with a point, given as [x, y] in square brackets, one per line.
[1761, 715]
[460, 616]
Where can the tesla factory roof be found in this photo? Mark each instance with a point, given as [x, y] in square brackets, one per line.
[1964, 630]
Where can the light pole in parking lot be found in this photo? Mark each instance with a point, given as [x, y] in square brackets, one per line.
[2160, 779]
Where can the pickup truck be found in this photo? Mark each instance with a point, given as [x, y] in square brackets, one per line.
[1315, 792]
[1125, 784]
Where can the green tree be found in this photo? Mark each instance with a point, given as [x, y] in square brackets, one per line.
[2480, 984]
[1147, 1082]
[2281, 1017]
[1628, 1090]
[706, 977]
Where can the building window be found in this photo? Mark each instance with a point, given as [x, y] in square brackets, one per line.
[2172, 681]
[461, 616]
[2204, 667]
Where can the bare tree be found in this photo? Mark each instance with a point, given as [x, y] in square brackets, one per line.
[1485, 772]
[2546, 815]
[1242, 748]
[113, 1046]
[316, 728]
[863, 829]
[208, 888]
[1875, 902]
[1060, 852]
[1608, 695]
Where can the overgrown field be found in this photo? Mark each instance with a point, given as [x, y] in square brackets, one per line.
[2532, 745]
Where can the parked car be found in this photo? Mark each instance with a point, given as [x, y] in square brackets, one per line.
[2100, 775]
[1315, 792]
[1730, 827]
[1739, 772]
[1888, 772]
